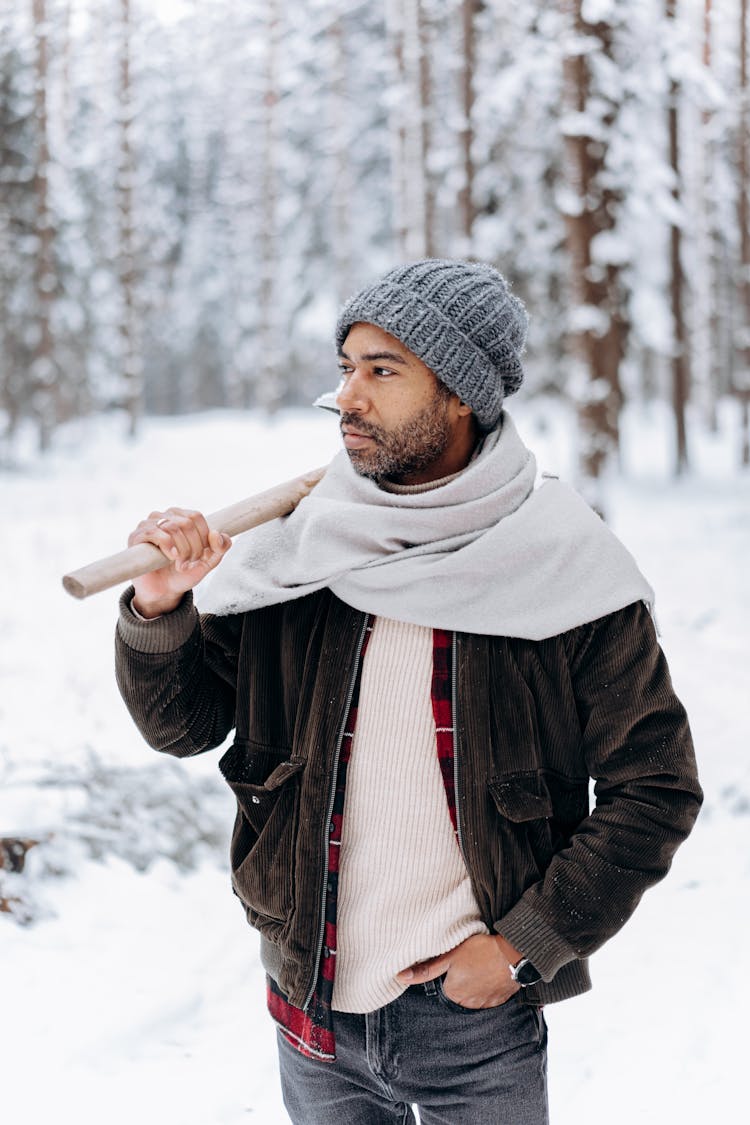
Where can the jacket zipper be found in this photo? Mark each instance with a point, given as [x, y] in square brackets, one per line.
[331, 800]
[454, 720]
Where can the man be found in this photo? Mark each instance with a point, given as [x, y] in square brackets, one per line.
[424, 665]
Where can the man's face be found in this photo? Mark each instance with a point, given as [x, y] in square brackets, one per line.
[398, 421]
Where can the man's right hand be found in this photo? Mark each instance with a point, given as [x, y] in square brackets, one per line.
[193, 550]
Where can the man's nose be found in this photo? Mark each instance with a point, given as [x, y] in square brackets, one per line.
[351, 396]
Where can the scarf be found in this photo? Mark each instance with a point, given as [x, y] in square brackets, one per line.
[486, 552]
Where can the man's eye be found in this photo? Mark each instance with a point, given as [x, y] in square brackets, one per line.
[383, 371]
[344, 371]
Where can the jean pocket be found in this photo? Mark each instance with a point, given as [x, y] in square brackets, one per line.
[541, 1025]
[454, 1006]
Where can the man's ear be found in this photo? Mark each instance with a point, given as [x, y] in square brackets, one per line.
[463, 409]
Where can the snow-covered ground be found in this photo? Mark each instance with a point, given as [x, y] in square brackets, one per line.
[137, 995]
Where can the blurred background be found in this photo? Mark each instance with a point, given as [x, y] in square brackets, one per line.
[190, 188]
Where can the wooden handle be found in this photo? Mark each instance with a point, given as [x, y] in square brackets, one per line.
[145, 557]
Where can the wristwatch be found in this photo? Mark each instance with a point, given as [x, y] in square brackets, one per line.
[524, 973]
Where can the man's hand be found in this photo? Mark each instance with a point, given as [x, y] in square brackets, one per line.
[192, 549]
[477, 971]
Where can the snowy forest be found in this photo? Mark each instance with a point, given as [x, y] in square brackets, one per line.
[190, 189]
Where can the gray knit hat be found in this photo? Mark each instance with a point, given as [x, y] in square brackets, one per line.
[459, 318]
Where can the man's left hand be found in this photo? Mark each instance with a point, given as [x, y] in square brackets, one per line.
[477, 972]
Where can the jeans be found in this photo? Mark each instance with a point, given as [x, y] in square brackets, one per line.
[458, 1066]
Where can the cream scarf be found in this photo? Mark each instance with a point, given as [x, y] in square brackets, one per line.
[487, 552]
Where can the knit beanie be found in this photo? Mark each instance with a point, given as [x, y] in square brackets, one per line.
[459, 318]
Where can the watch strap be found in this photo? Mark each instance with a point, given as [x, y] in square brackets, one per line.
[524, 973]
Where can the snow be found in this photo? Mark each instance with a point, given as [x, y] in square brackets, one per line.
[137, 994]
[608, 247]
[588, 318]
[594, 11]
[581, 124]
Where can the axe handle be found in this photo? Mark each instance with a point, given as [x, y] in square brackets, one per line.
[145, 557]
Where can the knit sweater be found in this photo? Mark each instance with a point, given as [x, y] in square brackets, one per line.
[404, 891]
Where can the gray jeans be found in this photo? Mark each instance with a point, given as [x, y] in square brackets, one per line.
[458, 1066]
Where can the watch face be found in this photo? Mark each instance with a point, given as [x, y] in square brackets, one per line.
[526, 974]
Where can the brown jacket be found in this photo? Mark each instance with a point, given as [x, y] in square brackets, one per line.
[535, 721]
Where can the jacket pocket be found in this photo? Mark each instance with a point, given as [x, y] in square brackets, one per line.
[265, 831]
[524, 814]
[521, 796]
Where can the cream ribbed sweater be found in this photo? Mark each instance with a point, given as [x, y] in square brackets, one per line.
[404, 891]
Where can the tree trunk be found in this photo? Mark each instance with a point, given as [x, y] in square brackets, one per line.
[598, 327]
[466, 206]
[130, 358]
[680, 371]
[406, 130]
[742, 370]
[425, 103]
[341, 195]
[269, 389]
[45, 394]
[705, 330]
[66, 97]
[717, 319]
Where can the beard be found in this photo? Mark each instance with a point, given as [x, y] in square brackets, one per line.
[409, 447]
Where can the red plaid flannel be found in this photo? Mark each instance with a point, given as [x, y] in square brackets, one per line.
[310, 1030]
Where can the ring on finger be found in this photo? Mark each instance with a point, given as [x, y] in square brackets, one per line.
[162, 521]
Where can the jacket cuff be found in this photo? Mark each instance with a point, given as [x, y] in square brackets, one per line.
[163, 634]
[531, 935]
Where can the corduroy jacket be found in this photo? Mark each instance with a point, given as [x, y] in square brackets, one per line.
[535, 723]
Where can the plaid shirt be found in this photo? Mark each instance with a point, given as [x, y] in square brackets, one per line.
[310, 1030]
